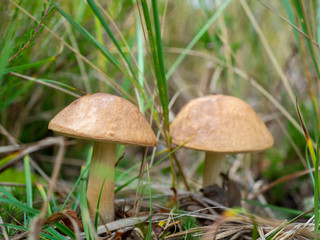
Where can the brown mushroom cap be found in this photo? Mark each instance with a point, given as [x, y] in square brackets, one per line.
[219, 123]
[106, 118]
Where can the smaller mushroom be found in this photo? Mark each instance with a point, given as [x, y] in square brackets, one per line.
[108, 120]
[219, 125]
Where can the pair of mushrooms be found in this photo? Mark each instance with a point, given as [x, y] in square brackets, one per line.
[216, 124]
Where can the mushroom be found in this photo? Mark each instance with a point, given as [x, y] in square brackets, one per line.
[219, 125]
[108, 120]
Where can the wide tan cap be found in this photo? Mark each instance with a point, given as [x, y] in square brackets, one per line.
[106, 118]
[219, 123]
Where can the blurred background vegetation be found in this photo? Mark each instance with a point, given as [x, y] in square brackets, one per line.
[265, 53]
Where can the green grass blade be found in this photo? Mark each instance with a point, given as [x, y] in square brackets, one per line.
[280, 209]
[290, 13]
[27, 171]
[44, 196]
[255, 233]
[27, 66]
[24, 229]
[76, 185]
[62, 228]
[161, 79]
[104, 51]
[202, 31]
[101, 61]
[110, 34]
[57, 83]
[157, 163]
[316, 191]
[318, 21]
[307, 136]
[81, 11]
[156, 48]
[314, 180]
[88, 229]
[33, 212]
[304, 24]
[147, 20]
[47, 82]
[309, 165]
[125, 173]
[90, 39]
[20, 205]
[140, 59]
[150, 212]
[121, 175]
[96, 217]
[315, 160]
[76, 202]
[54, 202]
[101, 48]
[4, 56]
[154, 56]
[10, 92]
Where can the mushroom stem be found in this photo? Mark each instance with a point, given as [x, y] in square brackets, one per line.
[102, 175]
[214, 164]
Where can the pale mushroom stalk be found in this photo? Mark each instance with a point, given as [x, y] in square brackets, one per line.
[101, 179]
[219, 125]
[107, 120]
[214, 164]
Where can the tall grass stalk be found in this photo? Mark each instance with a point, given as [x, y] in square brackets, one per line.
[87, 226]
[268, 50]
[150, 207]
[302, 19]
[315, 160]
[28, 174]
[197, 37]
[110, 34]
[140, 58]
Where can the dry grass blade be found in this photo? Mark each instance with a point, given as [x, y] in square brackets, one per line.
[242, 225]
[227, 49]
[125, 43]
[7, 149]
[281, 180]
[30, 149]
[20, 236]
[33, 35]
[3, 229]
[194, 231]
[37, 223]
[139, 192]
[245, 76]
[10, 184]
[261, 233]
[124, 223]
[45, 83]
[106, 77]
[11, 139]
[268, 50]
[293, 144]
[288, 22]
[80, 62]
[76, 224]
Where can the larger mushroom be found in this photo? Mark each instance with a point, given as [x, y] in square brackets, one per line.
[108, 120]
[219, 125]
